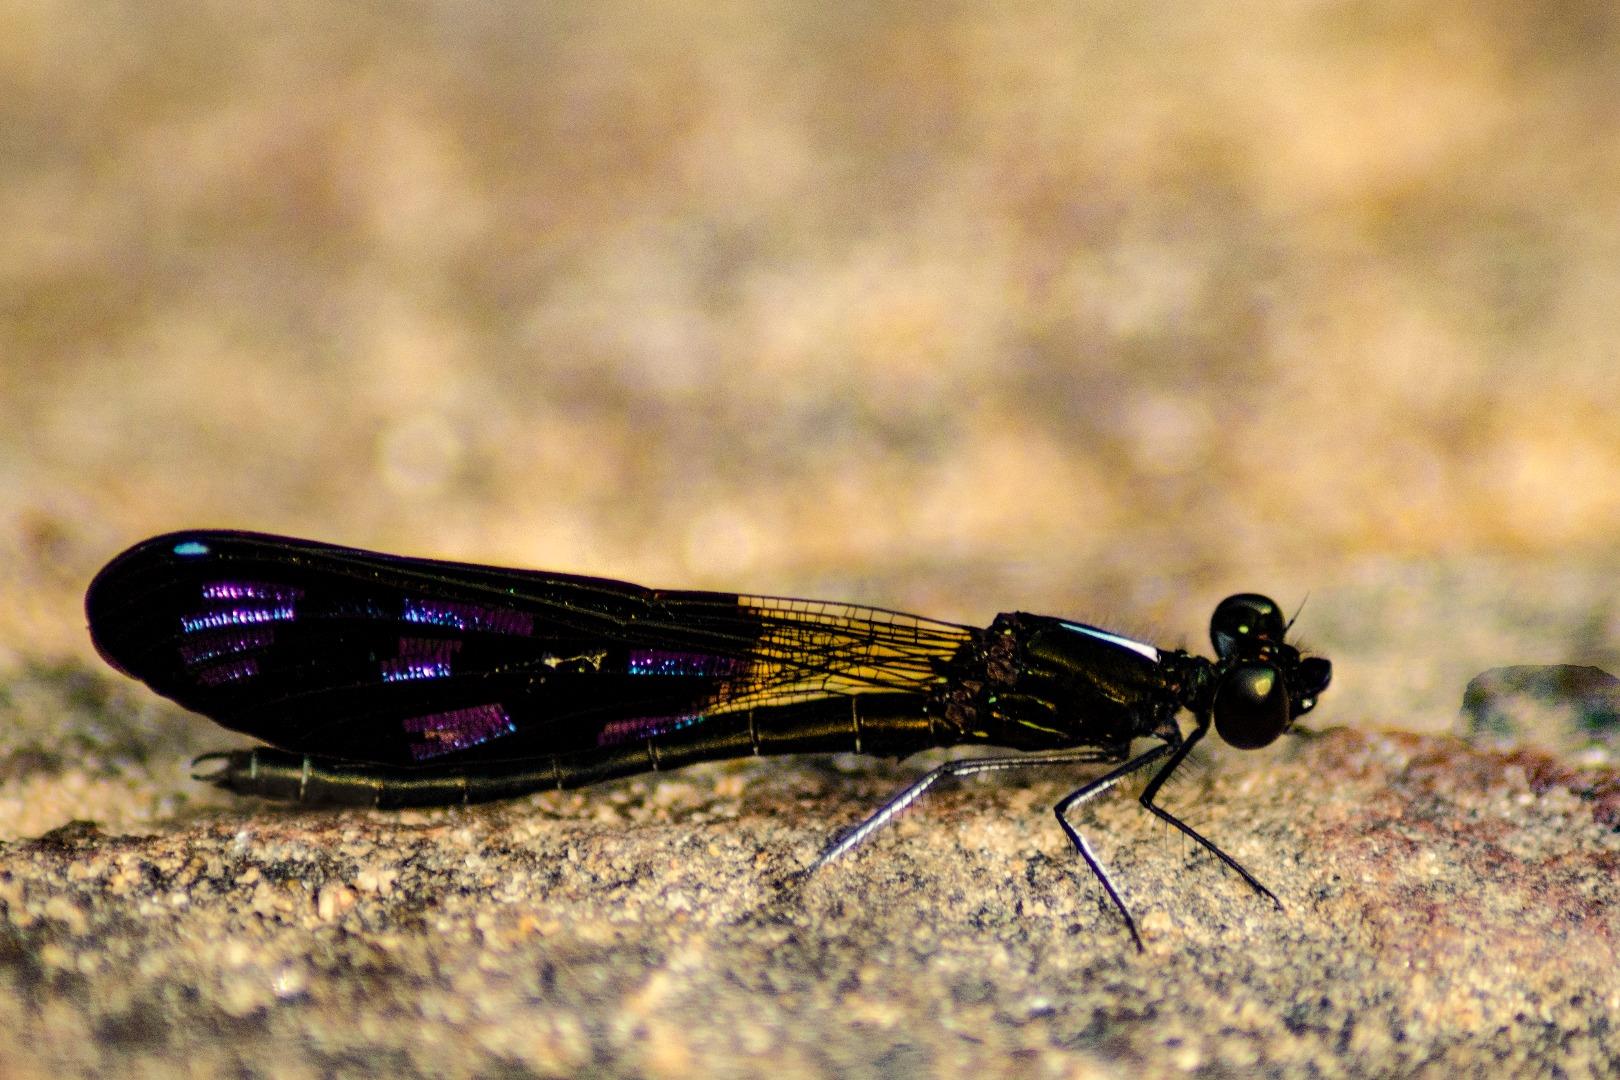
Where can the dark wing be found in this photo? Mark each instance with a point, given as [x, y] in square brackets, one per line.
[370, 657]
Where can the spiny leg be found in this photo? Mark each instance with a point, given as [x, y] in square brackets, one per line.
[1152, 789]
[965, 767]
[1085, 794]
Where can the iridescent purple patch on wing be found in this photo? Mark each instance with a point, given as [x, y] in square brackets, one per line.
[250, 590]
[420, 658]
[403, 670]
[459, 615]
[239, 616]
[644, 727]
[226, 642]
[228, 671]
[446, 732]
[667, 662]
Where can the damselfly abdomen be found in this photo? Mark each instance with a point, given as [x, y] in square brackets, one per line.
[394, 681]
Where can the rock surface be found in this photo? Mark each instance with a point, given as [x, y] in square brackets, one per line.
[1444, 911]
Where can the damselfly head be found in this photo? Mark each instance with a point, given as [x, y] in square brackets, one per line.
[1265, 684]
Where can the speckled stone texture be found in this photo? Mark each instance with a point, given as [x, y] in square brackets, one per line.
[1445, 911]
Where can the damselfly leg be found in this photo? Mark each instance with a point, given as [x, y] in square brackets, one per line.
[883, 815]
[1152, 789]
[1089, 792]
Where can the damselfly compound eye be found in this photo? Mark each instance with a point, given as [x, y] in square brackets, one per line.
[1243, 621]
[1251, 706]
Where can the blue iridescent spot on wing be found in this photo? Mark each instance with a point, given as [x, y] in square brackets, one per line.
[407, 670]
[228, 642]
[190, 548]
[274, 604]
[420, 658]
[250, 590]
[234, 670]
[243, 616]
[459, 615]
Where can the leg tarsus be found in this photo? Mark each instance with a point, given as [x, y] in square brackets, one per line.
[1157, 782]
[1101, 874]
[1089, 791]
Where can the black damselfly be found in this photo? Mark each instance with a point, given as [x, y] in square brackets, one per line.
[394, 681]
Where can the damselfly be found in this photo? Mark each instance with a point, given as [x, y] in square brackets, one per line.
[394, 681]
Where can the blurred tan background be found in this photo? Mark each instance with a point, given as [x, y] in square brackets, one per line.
[1101, 309]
